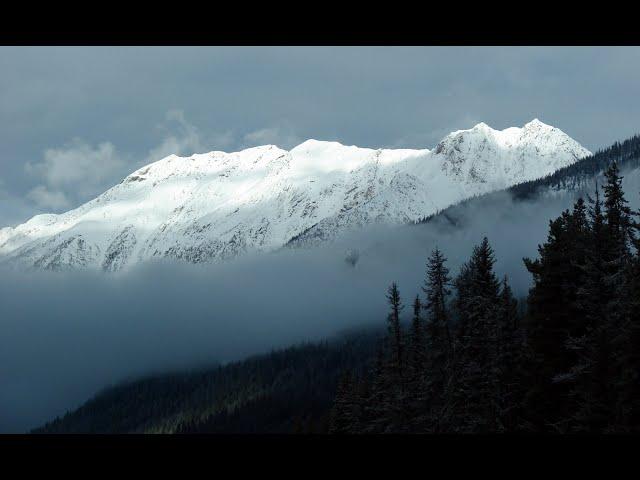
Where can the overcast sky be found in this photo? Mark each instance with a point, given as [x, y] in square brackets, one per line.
[76, 120]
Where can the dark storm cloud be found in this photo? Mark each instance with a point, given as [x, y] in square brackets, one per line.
[58, 98]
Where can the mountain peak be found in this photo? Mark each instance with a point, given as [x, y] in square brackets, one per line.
[481, 126]
[312, 144]
[535, 123]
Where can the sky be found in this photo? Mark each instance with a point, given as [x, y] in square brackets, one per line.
[76, 120]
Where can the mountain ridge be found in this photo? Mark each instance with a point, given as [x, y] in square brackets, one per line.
[218, 205]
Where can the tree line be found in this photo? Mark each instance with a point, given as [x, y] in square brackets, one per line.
[472, 361]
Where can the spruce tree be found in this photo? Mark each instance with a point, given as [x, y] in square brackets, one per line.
[587, 402]
[620, 235]
[554, 315]
[578, 309]
[342, 413]
[395, 333]
[416, 384]
[618, 215]
[377, 404]
[510, 388]
[476, 369]
[439, 342]
[599, 376]
[397, 406]
[416, 352]
[616, 373]
[361, 412]
[627, 409]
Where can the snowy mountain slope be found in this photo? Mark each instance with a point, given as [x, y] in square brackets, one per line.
[218, 205]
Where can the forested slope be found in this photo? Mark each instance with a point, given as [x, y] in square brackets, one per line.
[280, 392]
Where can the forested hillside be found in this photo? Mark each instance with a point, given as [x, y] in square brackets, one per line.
[626, 155]
[286, 391]
[470, 363]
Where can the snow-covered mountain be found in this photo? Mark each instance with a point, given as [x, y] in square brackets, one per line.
[217, 205]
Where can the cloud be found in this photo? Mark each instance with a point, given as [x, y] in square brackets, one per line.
[78, 171]
[74, 172]
[184, 138]
[429, 139]
[282, 136]
[180, 136]
[14, 208]
[88, 330]
[47, 199]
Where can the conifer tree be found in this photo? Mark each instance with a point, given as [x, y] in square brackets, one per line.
[614, 371]
[397, 400]
[395, 333]
[598, 376]
[586, 395]
[620, 235]
[627, 410]
[377, 404]
[416, 384]
[439, 342]
[476, 356]
[436, 290]
[618, 215]
[553, 316]
[510, 388]
[577, 309]
[416, 353]
[342, 414]
[363, 394]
